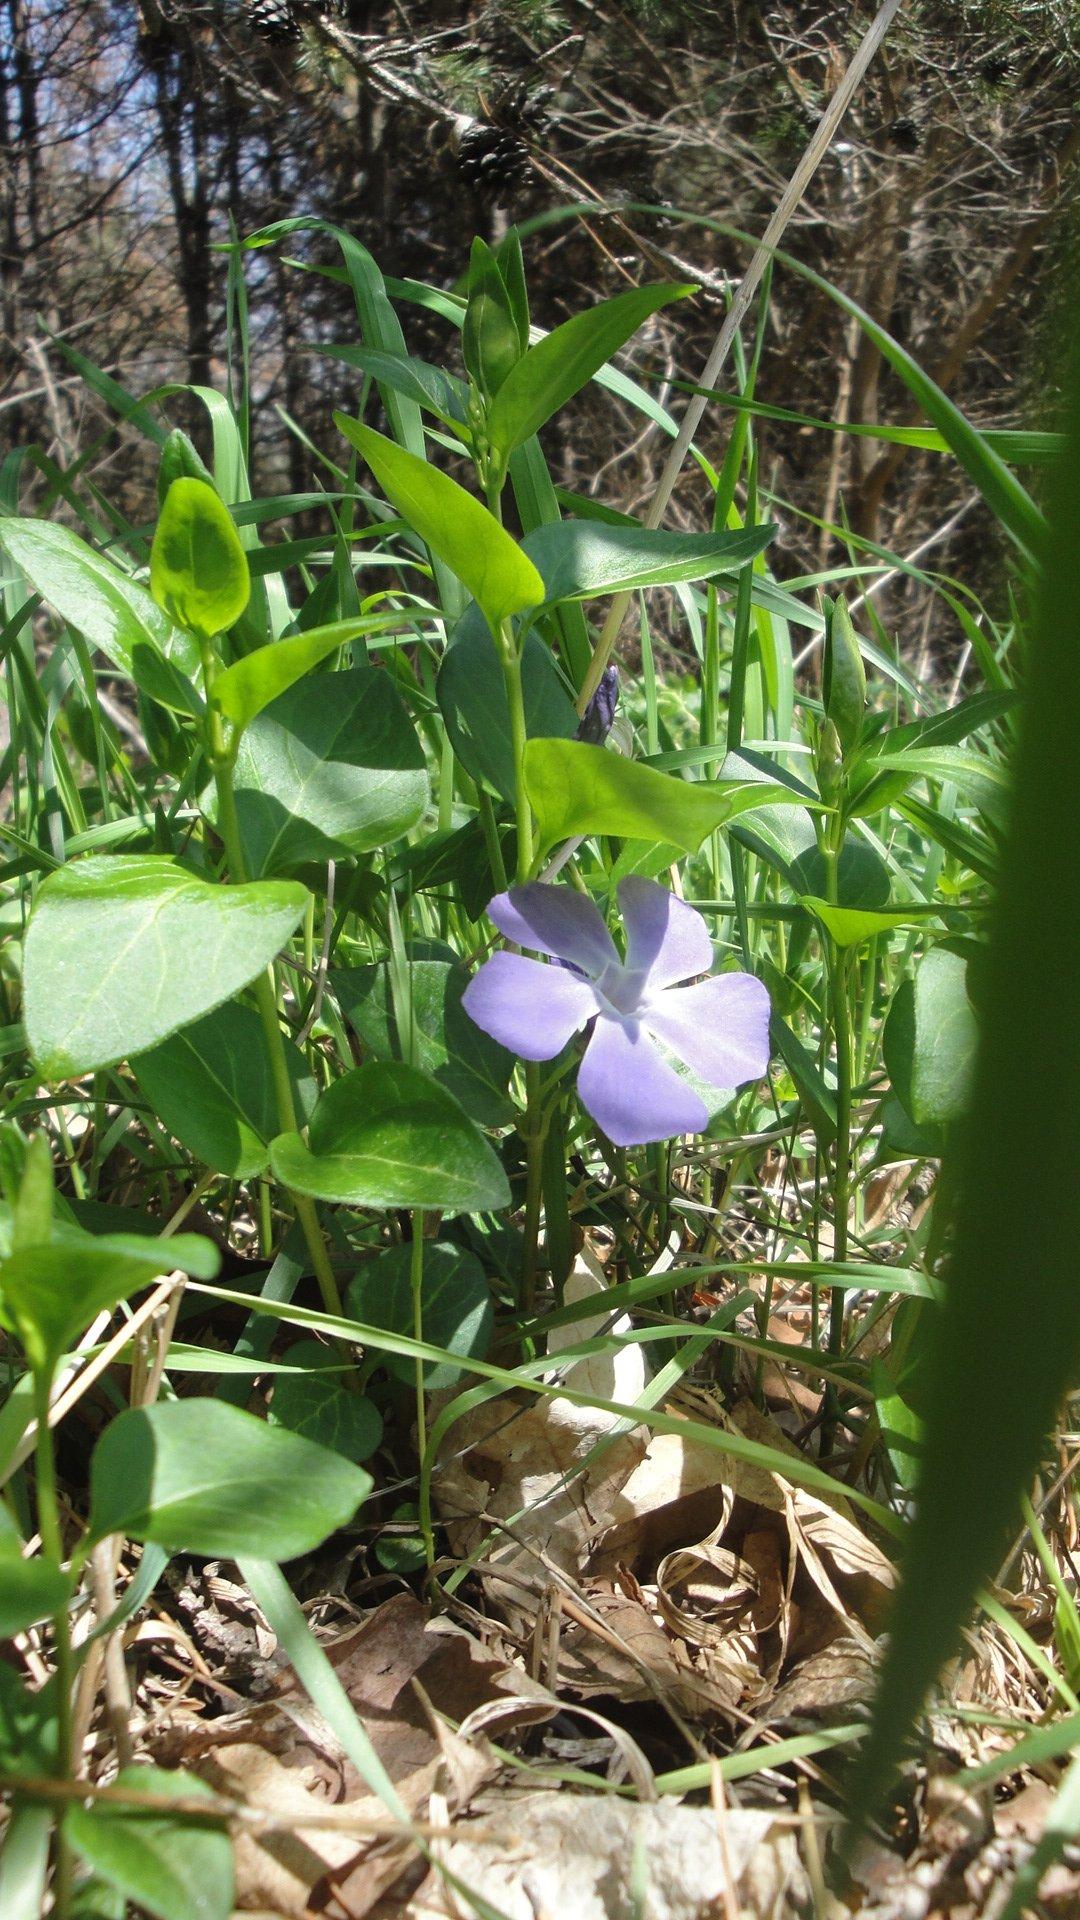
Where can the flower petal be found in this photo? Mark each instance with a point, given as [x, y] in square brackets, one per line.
[630, 1091]
[666, 940]
[718, 1028]
[555, 920]
[532, 1009]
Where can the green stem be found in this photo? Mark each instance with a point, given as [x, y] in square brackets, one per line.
[222, 760]
[416, 1283]
[535, 1128]
[48, 1517]
[515, 697]
[841, 1018]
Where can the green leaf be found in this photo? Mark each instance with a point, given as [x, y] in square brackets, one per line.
[211, 1086]
[331, 767]
[560, 364]
[52, 1291]
[121, 951]
[490, 342]
[30, 1590]
[576, 789]
[249, 685]
[512, 268]
[199, 1476]
[316, 1404]
[843, 676]
[180, 460]
[198, 569]
[389, 1136]
[426, 386]
[109, 609]
[1004, 1345]
[471, 693]
[583, 559]
[931, 1038]
[27, 1728]
[850, 926]
[174, 1867]
[457, 1311]
[449, 1046]
[469, 539]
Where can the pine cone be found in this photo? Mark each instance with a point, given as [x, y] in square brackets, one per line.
[274, 20]
[493, 163]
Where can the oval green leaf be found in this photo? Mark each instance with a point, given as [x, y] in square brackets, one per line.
[456, 1299]
[122, 951]
[315, 1403]
[461, 531]
[211, 1086]
[198, 569]
[52, 1291]
[389, 1136]
[199, 1476]
[108, 608]
[930, 1040]
[173, 1867]
[333, 766]
[576, 789]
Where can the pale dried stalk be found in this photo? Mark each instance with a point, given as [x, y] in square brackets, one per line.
[691, 420]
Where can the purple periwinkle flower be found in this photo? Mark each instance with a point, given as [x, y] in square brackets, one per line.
[718, 1027]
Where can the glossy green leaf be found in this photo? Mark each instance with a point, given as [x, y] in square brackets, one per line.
[449, 1046]
[331, 767]
[173, 1867]
[560, 364]
[583, 559]
[455, 525]
[110, 610]
[199, 1476]
[472, 697]
[122, 951]
[578, 789]
[30, 1590]
[253, 681]
[211, 1086]
[50, 1292]
[198, 568]
[850, 926]
[931, 1038]
[315, 1402]
[389, 1136]
[457, 1311]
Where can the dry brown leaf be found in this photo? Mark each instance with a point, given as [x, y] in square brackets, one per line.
[561, 1854]
[401, 1669]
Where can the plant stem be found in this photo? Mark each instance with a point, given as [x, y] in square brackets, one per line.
[841, 1018]
[48, 1518]
[511, 666]
[416, 1283]
[222, 761]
